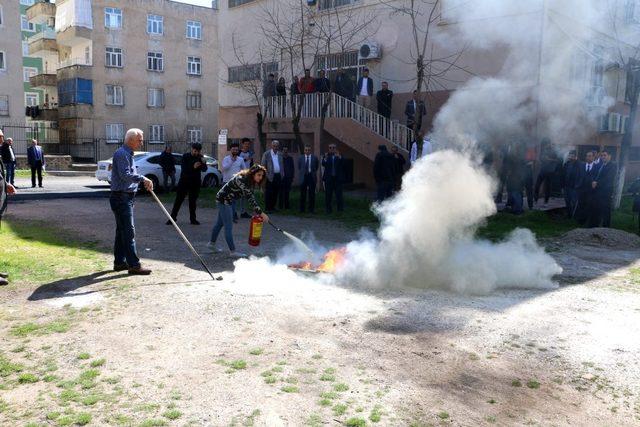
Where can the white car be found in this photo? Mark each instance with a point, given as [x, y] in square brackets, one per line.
[148, 165]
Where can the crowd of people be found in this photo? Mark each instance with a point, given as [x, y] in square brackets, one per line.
[587, 185]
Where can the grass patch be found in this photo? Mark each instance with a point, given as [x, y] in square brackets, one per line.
[277, 369]
[172, 414]
[314, 420]
[84, 356]
[340, 387]
[327, 377]
[97, 363]
[443, 415]
[90, 400]
[339, 409]
[329, 395]
[256, 351]
[238, 364]
[533, 384]
[83, 418]
[355, 422]
[270, 380]
[376, 414]
[324, 402]
[56, 326]
[27, 378]
[153, 422]
[7, 367]
[516, 383]
[317, 356]
[57, 254]
[290, 389]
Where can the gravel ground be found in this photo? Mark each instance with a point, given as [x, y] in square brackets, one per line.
[569, 356]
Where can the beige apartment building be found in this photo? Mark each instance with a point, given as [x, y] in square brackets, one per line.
[567, 57]
[115, 64]
[11, 88]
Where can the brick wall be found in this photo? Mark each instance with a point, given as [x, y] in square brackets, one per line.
[54, 162]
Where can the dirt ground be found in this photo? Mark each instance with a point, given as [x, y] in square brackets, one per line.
[220, 353]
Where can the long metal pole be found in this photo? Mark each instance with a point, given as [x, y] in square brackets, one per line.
[182, 235]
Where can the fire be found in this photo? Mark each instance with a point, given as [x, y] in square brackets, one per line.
[331, 261]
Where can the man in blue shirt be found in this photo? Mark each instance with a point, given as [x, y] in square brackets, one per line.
[124, 184]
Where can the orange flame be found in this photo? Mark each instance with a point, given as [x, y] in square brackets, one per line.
[331, 261]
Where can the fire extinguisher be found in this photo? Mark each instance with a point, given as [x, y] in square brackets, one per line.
[255, 230]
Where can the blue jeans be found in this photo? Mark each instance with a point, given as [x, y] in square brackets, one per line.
[225, 219]
[11, 171]
[124, 248]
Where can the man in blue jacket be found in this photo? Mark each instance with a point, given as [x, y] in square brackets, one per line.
[35, 158]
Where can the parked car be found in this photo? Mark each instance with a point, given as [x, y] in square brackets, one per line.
[148, 165]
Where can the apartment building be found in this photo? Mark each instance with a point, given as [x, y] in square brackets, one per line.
[386, 49]
[31, 66]
[119, 64]
[11, 77]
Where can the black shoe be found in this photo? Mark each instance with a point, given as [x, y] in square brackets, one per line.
[245, 215]
[196, 222]
[33, 186]
[4, 275]
[120, 267]
[168, 222]
[40, 186]
[3, 281]
[139, 271]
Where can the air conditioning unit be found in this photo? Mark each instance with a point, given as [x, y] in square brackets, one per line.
[369, 50]
[610, 123]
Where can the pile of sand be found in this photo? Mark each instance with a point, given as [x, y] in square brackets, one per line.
[608, 237]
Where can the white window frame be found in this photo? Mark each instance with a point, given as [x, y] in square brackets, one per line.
[4, 99]
[30, 28]
[114, 133]
[153, 58]
[111, 56]
[194, 65]
[156, 134]
[195, 95]
[1, 17]
[155, 24]
[28, 72]
[112, 15]
[25, 47]
[31, 95]
[155, 97]
[3, 63]
[194, 30]
[27, 2]
[194, 134]
[115, 94]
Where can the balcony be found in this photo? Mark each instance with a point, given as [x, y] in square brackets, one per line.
[43, 80]
[74, 68]
[41, 11]
[43, 43]
[42, 114]
[74, 35]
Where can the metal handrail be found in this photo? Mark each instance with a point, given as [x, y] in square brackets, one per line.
[312, 104]
[69, 62]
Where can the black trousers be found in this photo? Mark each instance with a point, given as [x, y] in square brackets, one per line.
[271, 191]
[384, 190]
[584, 210]
[193, 190]
[601, 213]
[285, 189]
[333, 185]
[308, 186]
[36, 168]
[546, 179]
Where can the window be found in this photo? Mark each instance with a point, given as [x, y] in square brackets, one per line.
[234, 3]
[75, 91]
[27, 2]
[245, 73]
[25, 25]
[156, 133]
[4, 105]
[194, 30]
[330, 4]
[114, 133]
[155, 97]
[193, 65]
[194, 134]
[155, 61]
[155, 24]
[1, 16]
[113, 57]
[194, 100]
[112, 17]
[114, 95]
[28, 72]
[25, 48]
[31, 99]
[3, 61]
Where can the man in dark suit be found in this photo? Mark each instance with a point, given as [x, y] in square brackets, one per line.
[364, 90]
[415, 111]
[399, 169]
[5, 189]
[273, 162]
[385, 99]
[308, 167]
[603, 185]
[332, 177]
[35, 158]
[287, 178]
[584, 179]
[569, 180]
[322, 83]
[193, 164]
[9, 160]
[343, 85]
[384, 167]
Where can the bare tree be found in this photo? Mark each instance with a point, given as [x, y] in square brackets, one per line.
[629, 58]
[432, 67]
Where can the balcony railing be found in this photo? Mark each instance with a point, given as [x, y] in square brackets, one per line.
[312, 104]
[70, 62]
[47, 33]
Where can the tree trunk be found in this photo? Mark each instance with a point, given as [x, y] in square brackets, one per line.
[295, 122]
[262, 136]
[627, 139]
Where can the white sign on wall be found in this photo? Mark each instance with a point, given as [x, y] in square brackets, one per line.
[222, 136]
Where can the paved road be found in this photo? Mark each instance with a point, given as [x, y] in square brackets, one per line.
[58, 187]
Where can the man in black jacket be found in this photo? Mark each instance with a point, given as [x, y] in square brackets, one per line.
[603, 185]
[343, 85]
[364, 90]
[322, 83]
[415, 111]
[5, 189]
[308, 167]
[332, 177]
[569, 180]
[9, 160]
[584, 179]
[287, 178]
[193, 164]
[399, 169]
[384, 168]
[385, 99]
[168, 165]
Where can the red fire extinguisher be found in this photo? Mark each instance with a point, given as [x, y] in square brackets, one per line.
[255, 230]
